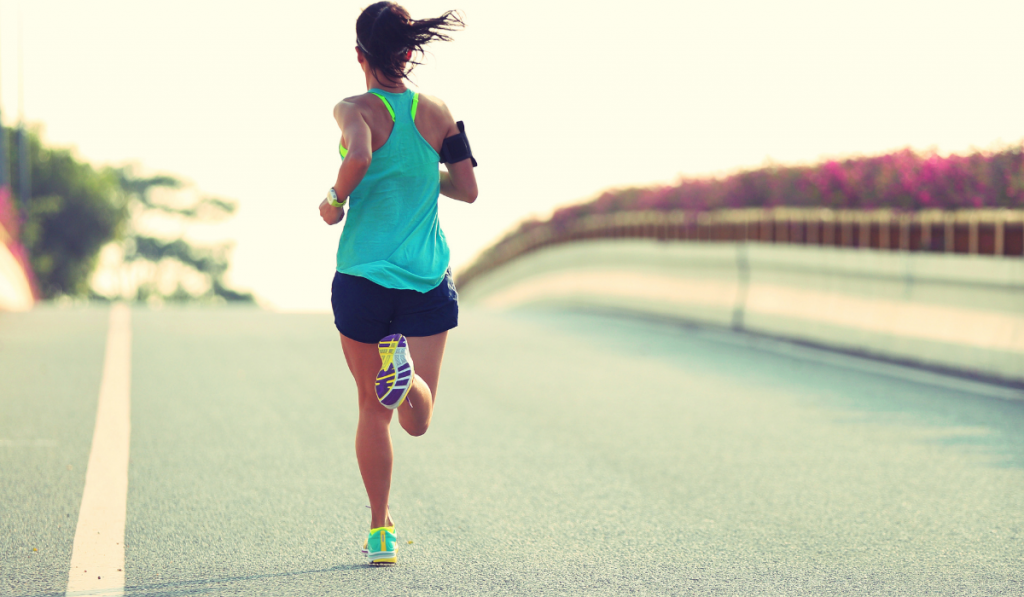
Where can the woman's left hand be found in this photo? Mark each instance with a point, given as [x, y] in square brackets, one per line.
[332, 215]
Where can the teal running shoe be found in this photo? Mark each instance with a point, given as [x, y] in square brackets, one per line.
[394, 380]
[382, 546]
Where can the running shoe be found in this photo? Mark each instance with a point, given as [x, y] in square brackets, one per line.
[394, 380]
[382, 546]
[367, 542]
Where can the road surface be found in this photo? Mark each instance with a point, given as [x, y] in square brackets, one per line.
[570, 454]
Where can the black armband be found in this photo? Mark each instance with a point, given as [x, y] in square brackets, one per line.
[456, 148]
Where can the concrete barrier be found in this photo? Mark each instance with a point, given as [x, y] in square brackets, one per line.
[958, 312]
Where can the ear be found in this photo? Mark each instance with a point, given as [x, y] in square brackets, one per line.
[359, 56]
[408, 56]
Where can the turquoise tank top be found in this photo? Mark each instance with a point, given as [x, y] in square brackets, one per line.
[392, 235]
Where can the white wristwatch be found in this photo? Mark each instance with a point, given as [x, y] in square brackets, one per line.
[332, 198]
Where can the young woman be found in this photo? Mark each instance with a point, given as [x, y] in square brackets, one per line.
[393, 296]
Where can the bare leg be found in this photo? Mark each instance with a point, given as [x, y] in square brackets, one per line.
[374, 451]
[373, 434]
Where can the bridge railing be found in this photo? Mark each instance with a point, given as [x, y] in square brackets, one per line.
[995, 232]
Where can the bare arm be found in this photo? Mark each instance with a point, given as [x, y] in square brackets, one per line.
[459, 181]
[356, 136]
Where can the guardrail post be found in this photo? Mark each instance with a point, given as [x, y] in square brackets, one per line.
[972, 234]
[1019, 217]
[796, 228]
[1000, 235]
[949, 234]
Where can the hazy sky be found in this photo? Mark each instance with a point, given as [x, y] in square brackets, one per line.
[561, 99]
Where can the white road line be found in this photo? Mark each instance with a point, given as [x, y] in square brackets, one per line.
[97, 559]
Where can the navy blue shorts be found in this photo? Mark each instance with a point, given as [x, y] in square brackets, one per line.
[366, 312]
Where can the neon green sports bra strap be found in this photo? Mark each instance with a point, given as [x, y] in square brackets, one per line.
[387, 104]
[415, 104]
[391, 111]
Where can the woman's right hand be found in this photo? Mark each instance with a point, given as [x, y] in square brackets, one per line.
[330, 214]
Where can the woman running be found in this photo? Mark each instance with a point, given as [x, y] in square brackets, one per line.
[393, 296]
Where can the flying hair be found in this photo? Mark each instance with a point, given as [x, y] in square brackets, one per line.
[386, 34]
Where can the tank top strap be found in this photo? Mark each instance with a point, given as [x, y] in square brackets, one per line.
[399, 105]
[395, 105]
[387, 104]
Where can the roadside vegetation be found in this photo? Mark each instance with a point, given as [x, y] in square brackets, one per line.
[902, 181]
[74, 210]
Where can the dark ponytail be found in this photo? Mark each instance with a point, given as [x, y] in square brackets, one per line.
[386, 33]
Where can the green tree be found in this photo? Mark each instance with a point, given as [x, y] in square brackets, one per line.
[74, 210]
[212, 262]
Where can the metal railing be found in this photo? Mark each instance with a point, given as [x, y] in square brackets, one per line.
[996, 232]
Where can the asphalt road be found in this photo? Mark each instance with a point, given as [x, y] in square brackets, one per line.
[570, 454]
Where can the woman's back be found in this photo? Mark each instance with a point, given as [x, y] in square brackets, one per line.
[392, 235]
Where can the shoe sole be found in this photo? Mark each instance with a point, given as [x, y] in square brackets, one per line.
[394, 380]
[383, 557]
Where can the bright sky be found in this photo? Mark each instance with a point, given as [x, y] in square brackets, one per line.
[561, 99]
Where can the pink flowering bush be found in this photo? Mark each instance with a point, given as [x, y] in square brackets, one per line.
[903, 180]
[8, 214]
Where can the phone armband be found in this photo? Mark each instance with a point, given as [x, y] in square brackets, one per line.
[456, 148]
